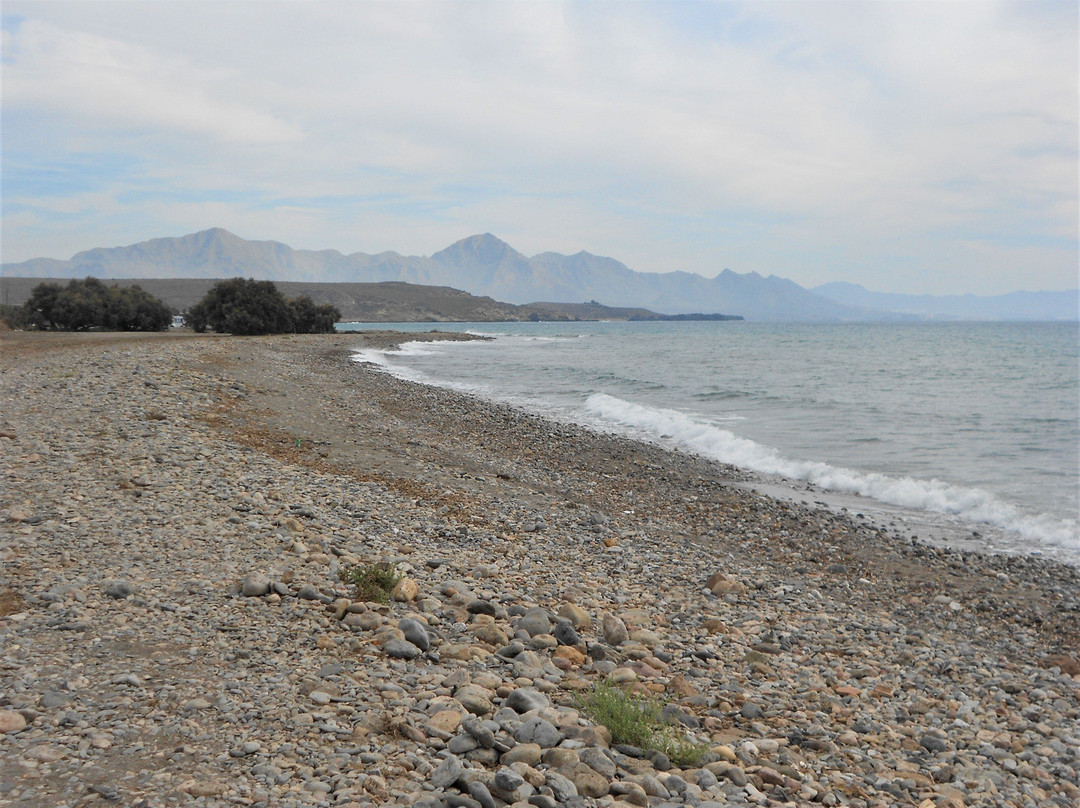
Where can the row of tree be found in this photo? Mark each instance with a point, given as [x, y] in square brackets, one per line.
[235, 306]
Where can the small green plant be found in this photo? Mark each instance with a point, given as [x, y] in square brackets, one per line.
[636, 720]
[371, 582]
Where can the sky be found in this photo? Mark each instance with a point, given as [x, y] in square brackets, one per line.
[906, 146]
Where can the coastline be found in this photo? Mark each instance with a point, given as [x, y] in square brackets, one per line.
[181, 466]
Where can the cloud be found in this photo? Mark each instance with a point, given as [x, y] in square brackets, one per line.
[819, 141]
[112, 83]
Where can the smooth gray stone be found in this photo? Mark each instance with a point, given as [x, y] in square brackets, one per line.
[537, 730]
[561, 786]
[401, 649]
[479, 792]
[416, 633]
[534, 621]
[565, 633]
[255, 585]
[526, 698]
[447, 773]
[596, 760]
[507, 780]
[120, 589]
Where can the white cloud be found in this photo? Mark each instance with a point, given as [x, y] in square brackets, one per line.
[794, 138]
[109, 83]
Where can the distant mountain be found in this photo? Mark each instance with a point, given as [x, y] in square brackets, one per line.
[1012, 306]
[481, 265]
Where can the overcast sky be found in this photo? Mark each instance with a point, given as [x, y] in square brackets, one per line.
[906, 146]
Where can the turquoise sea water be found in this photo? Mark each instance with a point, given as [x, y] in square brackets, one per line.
[955, 429]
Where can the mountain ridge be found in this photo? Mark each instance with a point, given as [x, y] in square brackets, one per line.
[484, 265]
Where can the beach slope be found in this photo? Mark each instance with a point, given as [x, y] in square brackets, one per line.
[176, 511]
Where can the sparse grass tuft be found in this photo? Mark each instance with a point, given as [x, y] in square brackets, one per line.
[636, 720]
[371, 582]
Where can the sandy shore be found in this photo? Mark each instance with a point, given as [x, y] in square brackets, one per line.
[146, 478]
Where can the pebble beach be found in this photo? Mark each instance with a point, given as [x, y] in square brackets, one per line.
[176, 511]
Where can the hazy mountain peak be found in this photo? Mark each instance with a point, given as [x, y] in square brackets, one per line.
[483, 249]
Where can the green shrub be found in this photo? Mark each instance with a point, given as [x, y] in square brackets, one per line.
[636, 720]
[239, 306]
[371, 582]
[89, 303]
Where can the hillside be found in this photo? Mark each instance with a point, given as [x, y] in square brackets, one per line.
[387, 302]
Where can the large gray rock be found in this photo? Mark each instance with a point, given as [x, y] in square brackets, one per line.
[535, 621]
[255, 585]
[537, 730]
[401, 649]
[596, 760]
[447, 773]
[614, 630]
[561, 787]
[416, 633]
[565, 633]
[525, 698]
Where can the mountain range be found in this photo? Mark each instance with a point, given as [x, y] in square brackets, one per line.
[485, 265]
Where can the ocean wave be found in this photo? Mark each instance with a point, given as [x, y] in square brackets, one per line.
[970, 504]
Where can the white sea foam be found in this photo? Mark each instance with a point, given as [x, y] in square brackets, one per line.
[972, 504]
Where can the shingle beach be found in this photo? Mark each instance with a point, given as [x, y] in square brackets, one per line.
[175, 511]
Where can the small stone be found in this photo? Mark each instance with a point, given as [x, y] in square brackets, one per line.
[478, 606]
[204, 788]
[445, 721]
[446, 773]
[255, 585]
[507, 779]
[401, 649]
[527, 753]
[751, 710]
[614, 630]
[119, 589]
[406, 591]
[539, 731]
[578, 617]
[479, 792]
[587, 781]
[475, 699]
[534, 622]
[11, 721]
[416, 633]
[525, 699]
[565, 633]
[932, 743]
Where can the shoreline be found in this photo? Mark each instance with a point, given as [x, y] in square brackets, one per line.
[828, 657]
[972, 516]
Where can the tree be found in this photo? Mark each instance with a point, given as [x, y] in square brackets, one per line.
[89, 303]
[311, 319]
[242, 306]
[134, 309]
[39, 310]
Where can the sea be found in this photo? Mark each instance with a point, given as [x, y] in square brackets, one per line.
[962, 434]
